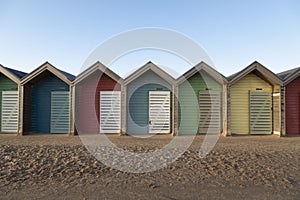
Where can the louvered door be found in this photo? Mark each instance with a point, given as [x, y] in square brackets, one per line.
[210, 112]
[10, 111]
[110, 111]
[159, 111]
[60, 112]
[260, 113]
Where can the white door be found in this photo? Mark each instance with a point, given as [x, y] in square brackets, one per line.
[210, 112]
[159, 112]
[110, 111]
[60, 112]
[10, 111]
[260, 113]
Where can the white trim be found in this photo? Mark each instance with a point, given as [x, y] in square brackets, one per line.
[276, 132]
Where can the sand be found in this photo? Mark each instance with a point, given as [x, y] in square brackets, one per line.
[60, 167]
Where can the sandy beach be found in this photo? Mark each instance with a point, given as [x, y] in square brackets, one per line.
[239, 167]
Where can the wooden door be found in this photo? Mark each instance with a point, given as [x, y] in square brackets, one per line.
[210, 112]
[110, 111]
[260, 113]
[60, 112]
[10, 111]
[159, 111]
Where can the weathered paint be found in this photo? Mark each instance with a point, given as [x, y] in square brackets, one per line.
[37, 99]
[6, 84]
[138, 101]
[239, 96]
[88, 100]
[188, 95]
[292, 107]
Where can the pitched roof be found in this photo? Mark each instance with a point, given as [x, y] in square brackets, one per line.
[255, 66]
[71, 77]
[289, 75]
[17, 73]
[229, 78]
[13, 74]
[285, 74]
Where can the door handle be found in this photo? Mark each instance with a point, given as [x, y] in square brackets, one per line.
[150, 122]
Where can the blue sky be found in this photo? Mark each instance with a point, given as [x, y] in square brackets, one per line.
[233, 33]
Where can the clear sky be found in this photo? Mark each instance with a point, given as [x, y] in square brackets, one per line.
[233, 33]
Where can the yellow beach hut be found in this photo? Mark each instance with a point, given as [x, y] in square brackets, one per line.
[254, 101]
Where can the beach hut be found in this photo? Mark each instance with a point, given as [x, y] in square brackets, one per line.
[254, 101]
[148, 101]
[9, 99]
[201, 101]
[98, 100]
[47, 102]
[291, 101]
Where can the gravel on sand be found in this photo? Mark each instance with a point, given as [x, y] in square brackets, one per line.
[60, 167]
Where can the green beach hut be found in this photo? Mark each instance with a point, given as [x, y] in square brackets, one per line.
[9, 99]
[201, 101]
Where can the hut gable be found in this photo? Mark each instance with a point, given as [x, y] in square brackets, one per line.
[64, 76]
[98, 66]
[149, 67]
[259, 70]
[202, 66]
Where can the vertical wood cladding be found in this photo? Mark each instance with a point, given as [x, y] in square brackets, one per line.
[292, 107]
